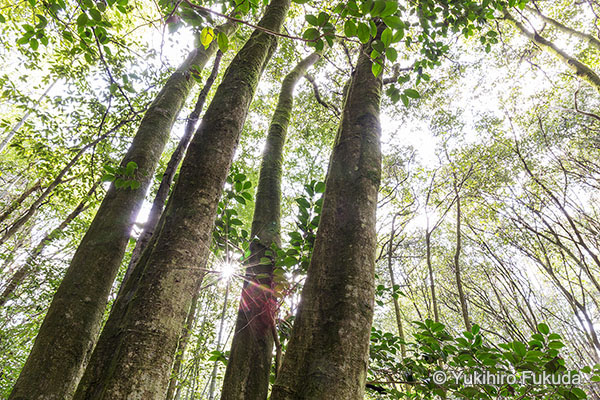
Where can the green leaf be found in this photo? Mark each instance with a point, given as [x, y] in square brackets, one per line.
[311, 19]
[519, 348]
[391, 54]
[82, 20]
[131, 167]
[289, 261]
[378, 8]
[350, 28]
[95, 14]
[311, 34]
[543, 329]
[322, 19]
[390, 8]
[320, 187]
[394, 22]
[206, 36]
[223, 42]
[363, 32]
[303, 202]
[386, 37]
[240, 199]
[556, 345]
[412, 93]
[376, 68]
[404, 99]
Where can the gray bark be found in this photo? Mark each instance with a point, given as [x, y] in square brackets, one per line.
[135, 352]
[70, 328]
[249, 365]
[328, 352]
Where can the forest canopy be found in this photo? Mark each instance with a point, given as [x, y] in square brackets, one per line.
[294, 199]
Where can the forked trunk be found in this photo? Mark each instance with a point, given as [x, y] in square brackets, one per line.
[135, 352]
[67, 335]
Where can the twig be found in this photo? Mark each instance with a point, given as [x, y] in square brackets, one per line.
[318, 95]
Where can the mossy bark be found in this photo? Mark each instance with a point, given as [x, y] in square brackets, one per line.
[586, 37]
[162, 193]
[249, 366]
[134, 356]
[328, 352]
[69, 330]
[581, 70]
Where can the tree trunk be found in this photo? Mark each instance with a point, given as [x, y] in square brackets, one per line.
[135, 352]
[393, 281]
[158, 204]
[328, 352]
[581, 70]
[434, 304]
[586, 37]
[249, 365]
[184, 339]
[17, 278]
[461, 294]
[68, 333]
[213, 375]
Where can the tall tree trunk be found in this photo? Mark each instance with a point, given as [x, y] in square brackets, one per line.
[17, 278]
[249, 365]
[213, 375]
[166, 182]
[68, 333]
[135, 352]
[328, 352]
[434, 304]
[461, 294]
[586, 37]
[393, 281]
[184, 339]
[581, 70]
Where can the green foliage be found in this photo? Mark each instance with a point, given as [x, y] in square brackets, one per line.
[229, 229]
[440, 364]
[122, 176]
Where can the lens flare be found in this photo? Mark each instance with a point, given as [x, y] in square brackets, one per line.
[228, 269]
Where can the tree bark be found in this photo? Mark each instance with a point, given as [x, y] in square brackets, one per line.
[135, 352]
[393, 281]
[586, 37]
[434, 302]
[328, 352]
[461, 294]
[17, 278]
[184, 339]
[70, 328]
[158, 204]
[249, 365]
[581, 70]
